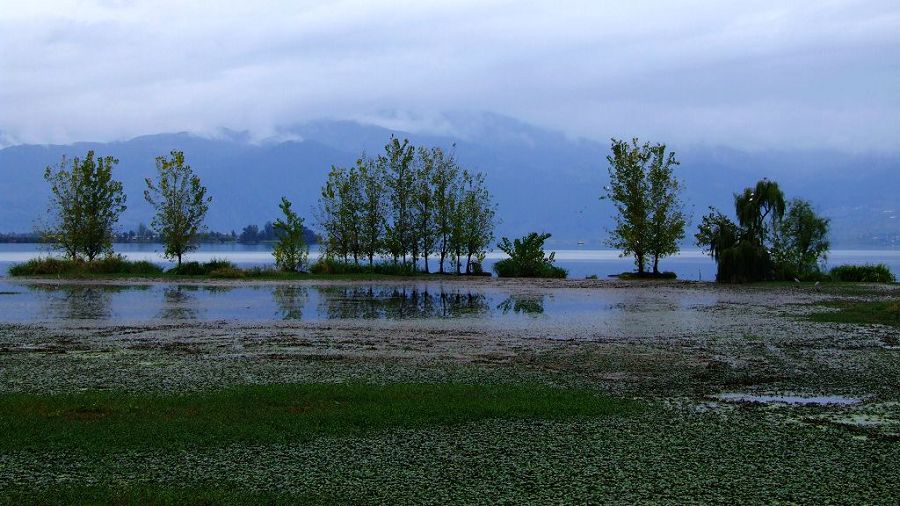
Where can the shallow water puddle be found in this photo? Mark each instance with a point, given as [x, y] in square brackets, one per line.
[798, 400]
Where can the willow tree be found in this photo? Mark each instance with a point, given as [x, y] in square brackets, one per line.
[85, 204]
[180, 202]
[744, 250]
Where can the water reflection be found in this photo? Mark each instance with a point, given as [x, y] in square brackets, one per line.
[530, 305]
[398, 303]
[78, 302]
[178, 303]
[290, 301]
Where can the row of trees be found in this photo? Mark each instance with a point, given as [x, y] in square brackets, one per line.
[86, 203]
[407, 204]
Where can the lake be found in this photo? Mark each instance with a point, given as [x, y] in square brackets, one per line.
[688, 265]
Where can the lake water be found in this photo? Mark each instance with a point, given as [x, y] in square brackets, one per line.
[37, 302]
[689, 264]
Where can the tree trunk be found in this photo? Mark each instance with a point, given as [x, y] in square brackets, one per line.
[469, 263]
[179, 260]
[655, 264]
[425, 258]
[441, 265]
[640, 259]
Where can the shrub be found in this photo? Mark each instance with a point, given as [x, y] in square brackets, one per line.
[527, 259]
[110, 264]
[188, 269]
[41, 266]
[868, 273]
[227, 273]
[327, 265]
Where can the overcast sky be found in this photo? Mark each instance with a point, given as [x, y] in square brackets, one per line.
[751, 74]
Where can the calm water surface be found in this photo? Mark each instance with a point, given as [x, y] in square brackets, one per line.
[35, 302]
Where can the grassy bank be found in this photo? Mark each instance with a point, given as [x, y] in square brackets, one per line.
[870, 312]
[104, 421]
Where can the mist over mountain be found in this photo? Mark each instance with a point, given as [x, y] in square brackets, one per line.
[542, 179]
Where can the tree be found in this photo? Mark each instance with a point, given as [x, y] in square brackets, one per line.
[645, 192]
[86, 203]
[716, 234]
[291, 252]
[666, 220]
[423, 205]
[399, 179]
[759, 211]
[250, 234]
[801, 241]
[444, 183]
[180, 202]
[764, 243]
[372, 207]
[478, 226]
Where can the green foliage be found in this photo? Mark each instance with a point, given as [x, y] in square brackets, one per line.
[744, 263]
[869, 273]
[765, 244]
[759, 211]
[110, 264]
[180, 202]
[407, 204]
[716, 234]
[291, 252]
[329, 266]
[85, 205]
[527, 259]
[801, 242]
[215, 268]
[649, 221]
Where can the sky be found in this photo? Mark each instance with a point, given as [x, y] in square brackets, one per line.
[749, 74]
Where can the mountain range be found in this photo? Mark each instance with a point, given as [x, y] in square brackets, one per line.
[542, 180]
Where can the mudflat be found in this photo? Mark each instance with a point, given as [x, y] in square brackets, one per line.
[708, 392]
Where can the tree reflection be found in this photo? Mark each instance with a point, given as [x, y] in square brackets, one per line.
[531, 305]
[77, 302]
[290, 301]
[179, 303]
[399, 303]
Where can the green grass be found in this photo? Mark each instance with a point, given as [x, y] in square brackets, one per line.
[104, 421]
[150, 495]
[880, 312]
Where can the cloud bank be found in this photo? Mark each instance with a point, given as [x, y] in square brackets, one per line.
[757, 74]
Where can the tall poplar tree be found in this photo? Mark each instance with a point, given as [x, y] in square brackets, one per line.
[181, 204]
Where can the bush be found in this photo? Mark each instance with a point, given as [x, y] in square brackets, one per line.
[219, 265]
[42, 266]
[227, 273]
[869, 273]
[110, 264]
[333, 266]
[527, 259]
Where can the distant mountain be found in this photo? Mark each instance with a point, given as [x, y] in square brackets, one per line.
[542, 179]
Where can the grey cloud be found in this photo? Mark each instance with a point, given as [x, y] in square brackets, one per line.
[749, 74]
